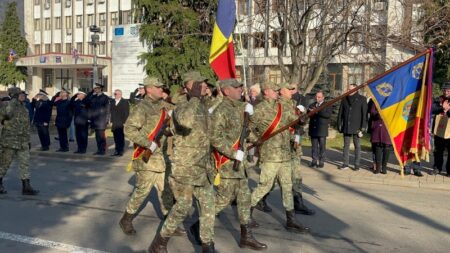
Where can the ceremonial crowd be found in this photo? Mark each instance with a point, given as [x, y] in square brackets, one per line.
[198, 144]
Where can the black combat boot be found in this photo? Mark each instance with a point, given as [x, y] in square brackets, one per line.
[262, 205]
[292, 225]
[299, 205]
[126, 223]
[208, 247]
[159, 244]
[253, 223]
[195, 231]
[27, 189]
[248, 241]
[2, 189]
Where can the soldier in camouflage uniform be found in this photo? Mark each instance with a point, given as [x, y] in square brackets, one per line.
[214, 97]
[286, 93]
[191, 170]
[275, 154]
[189, 78]
[15, 139]
[226, 127]
[143, 118]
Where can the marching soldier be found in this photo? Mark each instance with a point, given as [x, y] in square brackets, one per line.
[275, 154]
[146, 120]
[190, 170]
[288, 101]
[15, 137]
[226, 127]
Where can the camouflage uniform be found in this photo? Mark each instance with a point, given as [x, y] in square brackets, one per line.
[191, 169]
[15, 137]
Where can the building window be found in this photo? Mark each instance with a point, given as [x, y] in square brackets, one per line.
[48, 78]
[91, 19]
[126, 17]
[57, 22]
[260, 6]
[68, 22]
[48, 24]
[37, 2]
[114, 18]
[47, 48]
[102, 17]
[259, 40]
[355, 74]
[80, 47]
[37, 24]
[68, 48]
[242, 7]
[37, 49]
[275, 38]
[79, 21]
[58, 47]
[57, 1]
[102, 48]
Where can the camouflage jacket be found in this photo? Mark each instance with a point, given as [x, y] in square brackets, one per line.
[213, 102]
[15, 133]
[276, 149]
[226, 127]
[142, 120]
[191, 154]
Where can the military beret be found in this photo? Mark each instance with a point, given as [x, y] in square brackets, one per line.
[446, 86]
[152, 81]
[269, 85]
[229, 83]
[193, 76]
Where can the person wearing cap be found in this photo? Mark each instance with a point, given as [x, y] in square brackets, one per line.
[147, 119]
[441, 109]
[98, 104]
[318, 130]
[191, 170]
[63, 119]
[213, 96]
[41, 119]
[80, 120]
[15, 140]
[137, 95]
[226, 126]
[275, 153]
[120, 109]
[189, 78]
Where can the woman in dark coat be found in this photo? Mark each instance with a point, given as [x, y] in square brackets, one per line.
[381, 142]
[63, 119]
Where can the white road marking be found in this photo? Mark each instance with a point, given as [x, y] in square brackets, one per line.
[47, 244]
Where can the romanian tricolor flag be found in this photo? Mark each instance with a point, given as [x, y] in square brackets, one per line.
[221, 56]
[403, 97]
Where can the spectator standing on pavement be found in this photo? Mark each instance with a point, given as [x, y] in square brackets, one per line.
[63, 119]
[98, 104]
[318, 131]
[120, 110]
[441, 111]
[41, 119]
[352, 122]
[255, 94]
[80, 119]
[381, 142]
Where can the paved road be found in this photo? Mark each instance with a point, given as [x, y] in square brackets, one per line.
[81, 202]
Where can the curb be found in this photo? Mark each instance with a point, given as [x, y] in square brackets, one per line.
[84, 157]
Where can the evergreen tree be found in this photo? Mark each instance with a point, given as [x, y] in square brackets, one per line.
[178, 34]
[11, 38]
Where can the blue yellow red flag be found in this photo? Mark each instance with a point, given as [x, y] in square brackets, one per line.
[221, 56]
[403, 98]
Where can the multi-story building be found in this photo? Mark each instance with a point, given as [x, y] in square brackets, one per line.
[60, 54]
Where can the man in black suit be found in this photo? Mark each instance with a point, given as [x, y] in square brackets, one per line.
[120, 109]
[98, 104]
[318, 130]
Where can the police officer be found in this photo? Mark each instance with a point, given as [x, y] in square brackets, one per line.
[63, 119]
[98, 104]
[41, 119]
[441, 108]
[190, 170]
[15, 137]
[80, 118]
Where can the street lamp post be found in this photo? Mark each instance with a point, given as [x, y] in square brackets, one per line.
[94, 42]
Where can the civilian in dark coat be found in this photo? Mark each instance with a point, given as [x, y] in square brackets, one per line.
[352, 122]
[42, 107]
[441, 106]
[318, 131]
[80, 114]
[98, 104]
[63, 119]
[120, 109]
[381, 142]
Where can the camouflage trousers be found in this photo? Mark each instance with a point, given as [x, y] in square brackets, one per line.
[296, 174]
[183, 194]
[234, 188]
[145, 180]
[269, 173]
[6, 158]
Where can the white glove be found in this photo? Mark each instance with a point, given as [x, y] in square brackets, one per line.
[211, 110]
[239, 155]
[301, 108]
[360, 134]
[153, 147]
[297, 138]
[170, 113]
[249, 109]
